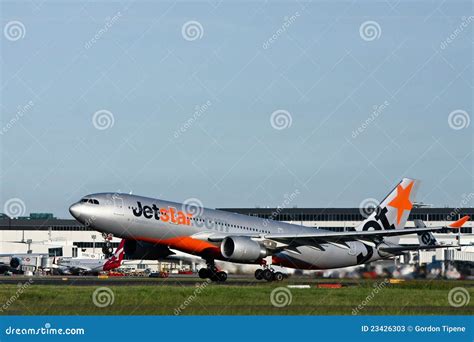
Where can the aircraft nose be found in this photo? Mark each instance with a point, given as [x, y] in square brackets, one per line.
[75, 210]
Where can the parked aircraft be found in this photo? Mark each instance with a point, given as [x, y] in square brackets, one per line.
[90, 266]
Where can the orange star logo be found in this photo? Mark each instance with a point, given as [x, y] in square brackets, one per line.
[402, 201]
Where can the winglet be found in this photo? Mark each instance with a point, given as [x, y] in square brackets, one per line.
[459, 223]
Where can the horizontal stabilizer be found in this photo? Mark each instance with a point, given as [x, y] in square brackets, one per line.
[459, 223]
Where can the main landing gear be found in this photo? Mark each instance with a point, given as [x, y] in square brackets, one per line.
[212, 272]
[269, 274]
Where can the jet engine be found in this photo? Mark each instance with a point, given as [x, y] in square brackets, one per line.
[141, 250]
[15, 262]
[242, 249]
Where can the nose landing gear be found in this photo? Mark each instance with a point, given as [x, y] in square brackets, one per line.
[212, 272]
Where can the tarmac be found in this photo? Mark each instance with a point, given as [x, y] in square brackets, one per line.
[172, 280]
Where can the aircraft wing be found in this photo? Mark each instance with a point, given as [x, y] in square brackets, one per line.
[349, 236]
[77, 269]
[319, 237]
[329, 235]
[404, 248]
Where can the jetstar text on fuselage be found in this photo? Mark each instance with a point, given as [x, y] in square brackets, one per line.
[169, 214]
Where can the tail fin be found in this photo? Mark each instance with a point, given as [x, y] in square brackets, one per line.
[425, 238]
[393, 211]
[116, 259]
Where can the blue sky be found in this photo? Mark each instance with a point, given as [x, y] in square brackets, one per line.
[313, 64]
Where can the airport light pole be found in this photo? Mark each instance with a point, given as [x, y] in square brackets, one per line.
[93, 242]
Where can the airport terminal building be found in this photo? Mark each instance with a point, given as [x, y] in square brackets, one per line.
[43, 233]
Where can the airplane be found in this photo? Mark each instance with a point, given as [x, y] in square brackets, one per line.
[90, 266]
[152, 227]
[15, 262]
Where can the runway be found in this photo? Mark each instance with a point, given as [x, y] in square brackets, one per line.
[173, 280]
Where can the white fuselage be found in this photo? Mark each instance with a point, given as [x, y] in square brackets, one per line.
[188, 228]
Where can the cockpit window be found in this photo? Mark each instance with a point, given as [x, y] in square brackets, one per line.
[89, 200]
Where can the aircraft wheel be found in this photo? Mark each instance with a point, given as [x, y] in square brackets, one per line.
[222, 276]
[15, 262]
[213, 274]
[204, 273]
[267, 275]
[278, 276]
[258, 274]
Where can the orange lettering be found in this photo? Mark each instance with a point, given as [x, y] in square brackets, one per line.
[164, 215]
[173, 218]
[181, 218]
